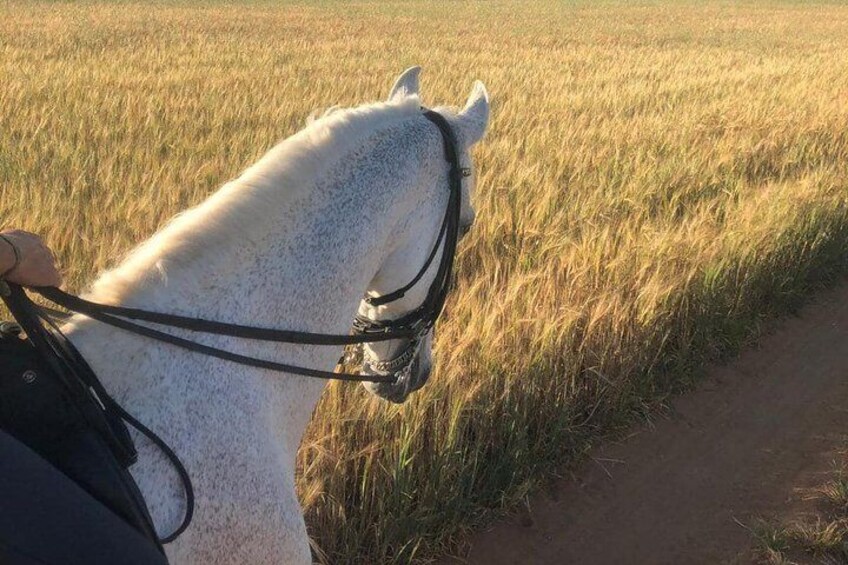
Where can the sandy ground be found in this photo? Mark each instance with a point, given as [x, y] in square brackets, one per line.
[683, 491]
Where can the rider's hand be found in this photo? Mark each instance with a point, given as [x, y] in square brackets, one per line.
[36, 266]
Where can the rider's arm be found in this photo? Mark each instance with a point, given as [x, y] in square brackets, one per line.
[26, 260]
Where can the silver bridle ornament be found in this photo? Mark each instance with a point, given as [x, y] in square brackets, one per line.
[403, 369]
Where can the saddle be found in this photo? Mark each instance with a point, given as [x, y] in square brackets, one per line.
[53, 403]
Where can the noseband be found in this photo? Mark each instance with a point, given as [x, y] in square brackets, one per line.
[412, 326]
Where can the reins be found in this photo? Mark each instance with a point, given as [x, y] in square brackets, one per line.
[81, 382]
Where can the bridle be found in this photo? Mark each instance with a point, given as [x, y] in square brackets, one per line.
[412, 326]
[420, 321]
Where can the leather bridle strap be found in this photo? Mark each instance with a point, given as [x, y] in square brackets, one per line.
[425, 316]
[409, 326]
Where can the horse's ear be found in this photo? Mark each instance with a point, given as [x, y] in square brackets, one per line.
[406, 84]
[474, 118]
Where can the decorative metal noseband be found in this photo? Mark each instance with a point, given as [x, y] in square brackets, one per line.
[402, 372]
[395, 365]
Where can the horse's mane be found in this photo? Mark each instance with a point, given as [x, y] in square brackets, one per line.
[239, 209]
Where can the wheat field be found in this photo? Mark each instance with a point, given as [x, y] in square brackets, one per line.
[658, 179]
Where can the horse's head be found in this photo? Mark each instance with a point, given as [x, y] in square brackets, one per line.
[409, 287]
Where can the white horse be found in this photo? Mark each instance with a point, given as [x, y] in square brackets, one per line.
[351, 204]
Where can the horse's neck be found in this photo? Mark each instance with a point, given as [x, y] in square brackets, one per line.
[298, 277]
[307, 274]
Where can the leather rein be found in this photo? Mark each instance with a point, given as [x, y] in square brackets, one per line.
[412, 326]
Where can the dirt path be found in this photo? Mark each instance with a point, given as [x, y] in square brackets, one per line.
[737, 447]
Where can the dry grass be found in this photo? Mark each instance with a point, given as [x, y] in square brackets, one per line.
[657, 180]
[820, 537]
